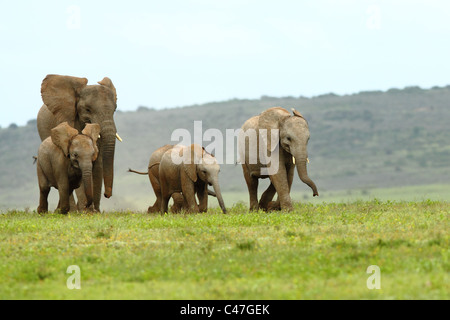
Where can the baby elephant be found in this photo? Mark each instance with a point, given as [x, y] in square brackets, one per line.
[189, 170]
[153, 175]
[64, 161]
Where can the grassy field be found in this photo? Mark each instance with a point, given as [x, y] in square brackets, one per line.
[144, 195]
[319, 251]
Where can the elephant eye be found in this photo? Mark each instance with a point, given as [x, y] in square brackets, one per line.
[289, 138]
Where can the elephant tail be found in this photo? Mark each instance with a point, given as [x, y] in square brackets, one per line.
[34, 159]
[134, 171]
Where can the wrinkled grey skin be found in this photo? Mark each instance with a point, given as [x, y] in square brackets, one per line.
[70, 99]
[292, 144]
[65, 161]
[153, 175]
[190, 178]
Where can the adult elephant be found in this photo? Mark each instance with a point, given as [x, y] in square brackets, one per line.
[287, 149]
[70, 99]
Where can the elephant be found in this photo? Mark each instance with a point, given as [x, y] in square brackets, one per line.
[289, 147]
[189, 170]
[64, 161]
[69, 99]
[153, 175]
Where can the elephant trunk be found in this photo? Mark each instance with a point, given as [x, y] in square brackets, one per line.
[86, 171]
[303, 175]
[216, 187]
[108, 136]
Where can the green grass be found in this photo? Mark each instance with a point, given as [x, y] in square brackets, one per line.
[435, 192]
[319, 251]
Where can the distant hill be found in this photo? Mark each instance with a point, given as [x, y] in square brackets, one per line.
[371, 139]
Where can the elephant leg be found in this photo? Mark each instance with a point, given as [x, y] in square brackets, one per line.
[280, 182]
[178, 202]
[165, 197]
[157, 190]
[44, 190]
[64, 195]
[43, 200]
[155, 207]
[252, 185]
[73, 205]
[275, 205]
[267, 197]
[188, 190]
[81, 197]
[165, 203]
[185, 204]
[166, 193]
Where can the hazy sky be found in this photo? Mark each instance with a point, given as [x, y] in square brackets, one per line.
[177, 53]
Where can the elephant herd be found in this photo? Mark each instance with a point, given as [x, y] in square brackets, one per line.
[78, 133]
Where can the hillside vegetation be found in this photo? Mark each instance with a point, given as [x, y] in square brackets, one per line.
[358, 142]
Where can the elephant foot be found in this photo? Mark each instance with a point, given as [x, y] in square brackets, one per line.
[254, 206]
[90, 209]
[63, 211]
[175, 208]
[42, 210]
[274, 206]
[153, 209]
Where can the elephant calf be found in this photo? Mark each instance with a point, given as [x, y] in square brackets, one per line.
[189, 170]
[153, 175]
[65, 161]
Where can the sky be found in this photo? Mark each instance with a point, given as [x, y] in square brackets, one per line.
[162, 54]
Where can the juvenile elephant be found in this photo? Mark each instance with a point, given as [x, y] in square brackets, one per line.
[70, 99]
[65, 161]
[153, 175]
[289, 148]
[189, 170]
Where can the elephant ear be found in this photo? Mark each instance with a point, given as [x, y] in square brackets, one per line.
[92, 131]
[61, 136]
[108, 83]
[60, 95]
[271, 119]
[297, 114]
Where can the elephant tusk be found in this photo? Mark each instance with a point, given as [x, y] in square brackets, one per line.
[293, 160]
[118, 137]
